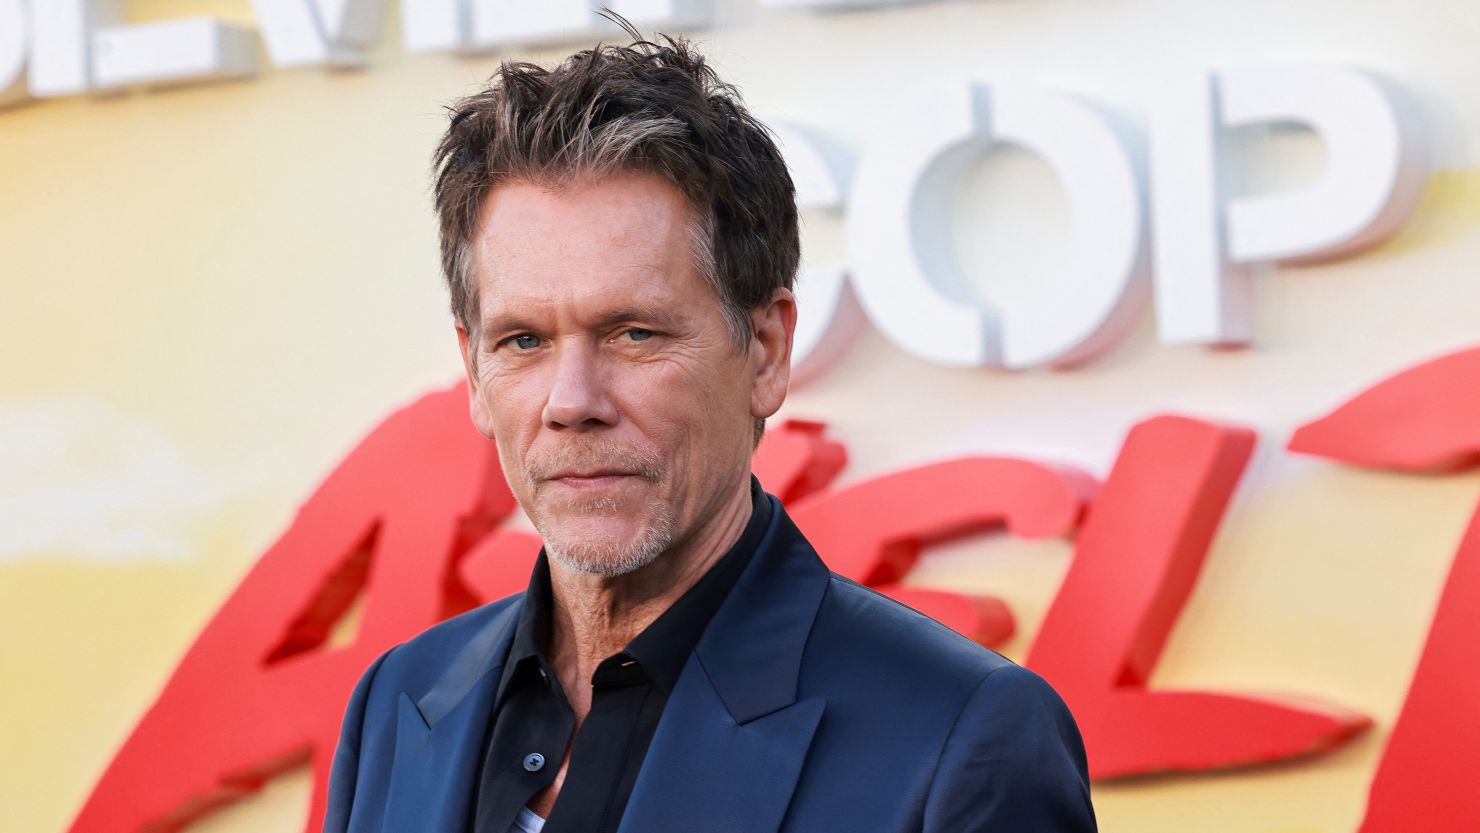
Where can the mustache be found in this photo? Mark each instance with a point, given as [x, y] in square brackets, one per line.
[593, 455]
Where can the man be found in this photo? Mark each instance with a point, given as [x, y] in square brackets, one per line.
[620, 238]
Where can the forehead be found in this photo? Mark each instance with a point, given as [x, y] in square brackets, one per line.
[626, 235]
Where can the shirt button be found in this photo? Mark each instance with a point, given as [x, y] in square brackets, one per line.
[533, 762]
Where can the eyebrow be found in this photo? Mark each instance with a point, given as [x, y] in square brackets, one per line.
[495, 326]
[662, 316]
[512, 321]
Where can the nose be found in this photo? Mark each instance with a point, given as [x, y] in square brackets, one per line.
[578, 398]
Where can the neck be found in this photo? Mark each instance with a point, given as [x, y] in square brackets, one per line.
[596, 616]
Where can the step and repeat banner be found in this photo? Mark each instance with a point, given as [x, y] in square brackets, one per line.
[1139, 341]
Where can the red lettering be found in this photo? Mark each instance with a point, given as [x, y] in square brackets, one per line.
[412, 521]
[1425, 419]
[257, 692]
[873, 532]
[1135, 562]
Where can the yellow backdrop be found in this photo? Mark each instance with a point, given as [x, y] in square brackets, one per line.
[211, 293]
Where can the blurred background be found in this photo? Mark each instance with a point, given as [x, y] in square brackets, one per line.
[219, 272]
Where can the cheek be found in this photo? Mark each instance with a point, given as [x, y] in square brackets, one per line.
[726, 395]
[685, 397]
[706, 415]
[514, 410]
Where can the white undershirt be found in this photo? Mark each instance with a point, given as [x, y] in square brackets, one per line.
[527, 822]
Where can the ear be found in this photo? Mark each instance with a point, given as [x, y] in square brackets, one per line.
[770, 352]
[477, 409]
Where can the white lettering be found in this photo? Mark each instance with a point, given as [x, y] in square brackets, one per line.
[911, 289]
[901, 270]
[1104, 282]
[1373, 178]
[172, 51]
[828, 314]
[1201, 298]
[14, 40]
[910, 285]
[498, 23]
[316, 32]
[684, 14]
[840, 5]
[60, 39]
[434, 25]
[350, 22]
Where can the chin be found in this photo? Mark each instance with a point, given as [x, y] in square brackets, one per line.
[604, 549]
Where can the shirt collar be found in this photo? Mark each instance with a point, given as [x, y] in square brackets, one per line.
[664, 645]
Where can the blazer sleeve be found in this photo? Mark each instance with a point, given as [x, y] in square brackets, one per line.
[346, 767]
[1014, 760]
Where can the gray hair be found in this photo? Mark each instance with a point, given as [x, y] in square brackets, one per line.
[651, 107]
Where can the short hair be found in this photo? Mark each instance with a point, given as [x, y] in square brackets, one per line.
[649, 107]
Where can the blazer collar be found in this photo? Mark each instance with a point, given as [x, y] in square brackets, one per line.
[752, 649]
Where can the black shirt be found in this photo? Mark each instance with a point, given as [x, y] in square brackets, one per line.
[532, 719]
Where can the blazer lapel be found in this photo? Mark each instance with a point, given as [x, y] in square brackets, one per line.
[705, 773]
[440, 735]
[733, 737]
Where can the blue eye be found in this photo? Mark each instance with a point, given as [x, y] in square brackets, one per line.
[639, 334]
[526, 341]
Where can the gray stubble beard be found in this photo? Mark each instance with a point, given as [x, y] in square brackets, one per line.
[610, 559]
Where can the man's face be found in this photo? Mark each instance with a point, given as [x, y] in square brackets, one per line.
[606, 372]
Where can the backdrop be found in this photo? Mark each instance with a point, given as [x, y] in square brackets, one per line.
[212, 292]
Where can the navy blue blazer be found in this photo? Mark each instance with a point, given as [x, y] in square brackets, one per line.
[810, 703]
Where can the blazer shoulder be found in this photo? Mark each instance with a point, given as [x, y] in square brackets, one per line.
[858, 621]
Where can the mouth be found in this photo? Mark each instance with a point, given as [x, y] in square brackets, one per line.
[590, 481]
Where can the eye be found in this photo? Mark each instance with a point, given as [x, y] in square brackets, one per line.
[524, 341]
[638, 334]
